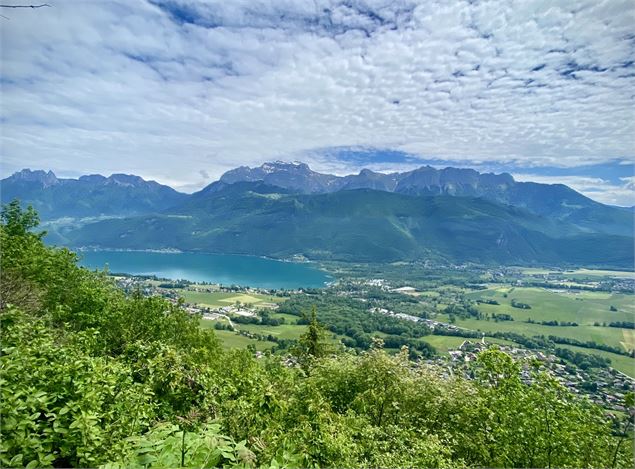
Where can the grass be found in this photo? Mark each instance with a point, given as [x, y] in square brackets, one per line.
[620, 362]
[283, 331]
[602, 335]
[220, 299]
[289, 318]
[583, 307]
[444, 343]
[232, 340]
[581, 273]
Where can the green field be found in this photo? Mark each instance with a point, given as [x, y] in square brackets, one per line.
[289, 318]
[220, 299]
[620, 362]
[284, 331]
[444, 343]
[603, 335]
[231, 340]
[583, 307]
[581, 273]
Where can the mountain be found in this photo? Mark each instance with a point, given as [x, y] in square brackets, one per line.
[286, 209]
[88, 196]
[550, 200]
[357, 225]
[296, 176]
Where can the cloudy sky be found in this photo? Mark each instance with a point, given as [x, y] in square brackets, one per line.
[181, 91]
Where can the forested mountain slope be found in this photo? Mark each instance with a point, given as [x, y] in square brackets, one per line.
[358, 225]
[124, 195]
[555, 201]
[88, 196]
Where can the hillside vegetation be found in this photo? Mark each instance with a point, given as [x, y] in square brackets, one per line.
[92, 377]
[359, 225]
[88, 196]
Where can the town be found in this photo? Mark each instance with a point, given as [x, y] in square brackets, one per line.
[441, 316]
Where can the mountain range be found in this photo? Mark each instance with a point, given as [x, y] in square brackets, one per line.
[551, 200]
[286, 209]
[89, 196]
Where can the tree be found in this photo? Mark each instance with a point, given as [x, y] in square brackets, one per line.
[18, 222]
[312, 344]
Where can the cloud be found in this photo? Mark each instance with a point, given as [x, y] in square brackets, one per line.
[601, 190]
[161, 87]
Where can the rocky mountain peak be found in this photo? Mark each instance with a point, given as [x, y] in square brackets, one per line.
[46, 178]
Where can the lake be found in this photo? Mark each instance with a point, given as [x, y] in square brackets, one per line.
[226, 269]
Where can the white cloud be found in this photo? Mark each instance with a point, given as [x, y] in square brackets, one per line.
[167, 92]
[595, 188]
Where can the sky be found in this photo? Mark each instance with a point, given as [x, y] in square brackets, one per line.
[180, 91]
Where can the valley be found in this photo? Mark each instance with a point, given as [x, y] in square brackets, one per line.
[315, 287]
[317, 234]
[593, 316]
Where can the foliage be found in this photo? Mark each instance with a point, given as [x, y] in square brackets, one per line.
[350, 317]
[168, 445]
[312, 344]
[59, 404]
[93, 377]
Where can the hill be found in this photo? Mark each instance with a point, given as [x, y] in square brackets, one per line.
[88, 196]
[358, 225]
[551, 200]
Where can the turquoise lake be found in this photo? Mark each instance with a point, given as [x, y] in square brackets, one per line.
[225, 269]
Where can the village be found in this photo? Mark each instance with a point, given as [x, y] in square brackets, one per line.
[603, 385]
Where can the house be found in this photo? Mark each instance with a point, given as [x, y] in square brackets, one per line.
[404, 290]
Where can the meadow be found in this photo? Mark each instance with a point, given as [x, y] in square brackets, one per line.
[218, 299]
[581, 273]
[283, 331]
[231, 340]
[582, 307]
[620, 362]
[444, 343]
[613, 336]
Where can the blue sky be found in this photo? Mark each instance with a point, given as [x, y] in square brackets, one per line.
[180, 91]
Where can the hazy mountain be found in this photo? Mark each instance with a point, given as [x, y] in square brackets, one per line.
[552, 200]
[88, 196]
[283, 209]
[296, 176]
[358, 225]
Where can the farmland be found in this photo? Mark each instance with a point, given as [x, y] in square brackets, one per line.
[582, 307]
[218, 299]
[575, 306]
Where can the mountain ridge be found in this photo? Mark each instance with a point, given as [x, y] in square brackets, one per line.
[89, 195]
[552, 200]
[265, 211]
[361, 225]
